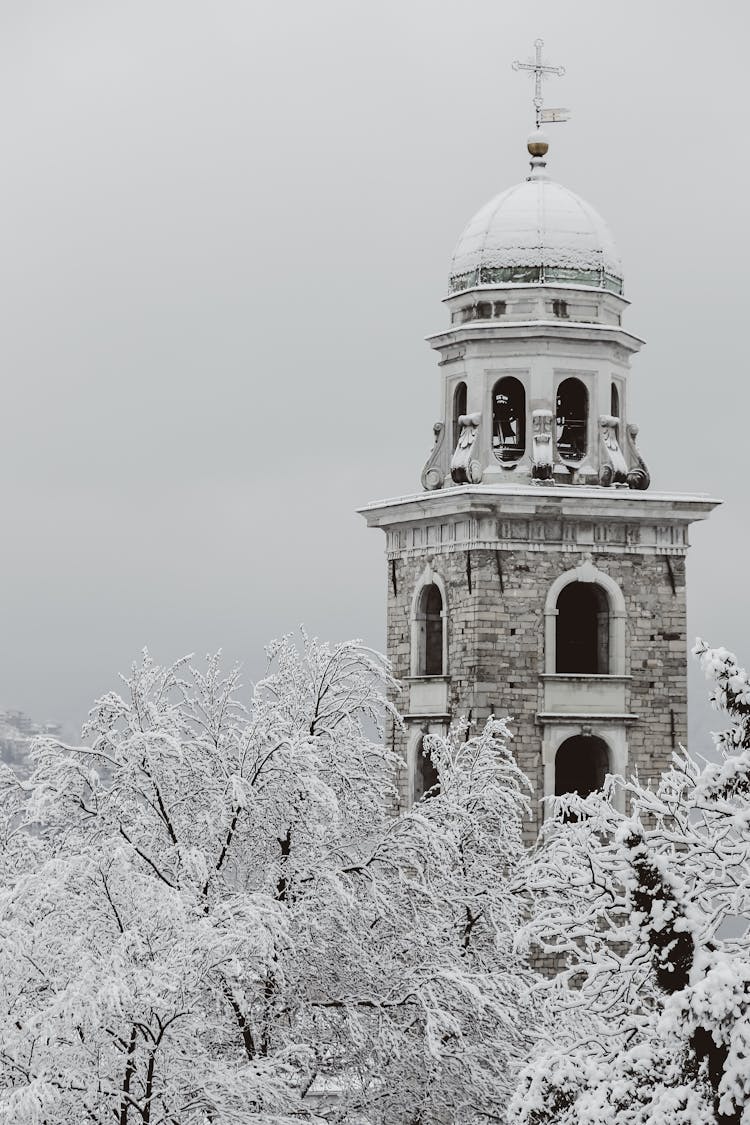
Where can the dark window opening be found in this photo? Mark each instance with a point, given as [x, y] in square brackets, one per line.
[582, 641]
[459, 409]
[572, 413]
[426, 779]
[430, 661]
[483, 310]
[615, 402]
[581, 765]
[560, 308]
[509, 419]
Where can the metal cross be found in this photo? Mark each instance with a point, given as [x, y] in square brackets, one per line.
[540, 71]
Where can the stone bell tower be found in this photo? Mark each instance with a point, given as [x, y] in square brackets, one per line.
[536, 574]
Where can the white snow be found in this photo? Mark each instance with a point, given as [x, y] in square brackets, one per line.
[537, 223]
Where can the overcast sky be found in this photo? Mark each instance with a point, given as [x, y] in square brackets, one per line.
[226, 229]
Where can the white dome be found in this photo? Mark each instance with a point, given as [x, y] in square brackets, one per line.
[537, 231]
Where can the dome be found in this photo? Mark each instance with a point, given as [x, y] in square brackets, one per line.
[536, 232]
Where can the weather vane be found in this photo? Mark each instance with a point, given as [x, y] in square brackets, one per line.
[541, 71]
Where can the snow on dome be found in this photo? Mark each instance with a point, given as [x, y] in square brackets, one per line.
[537, 231]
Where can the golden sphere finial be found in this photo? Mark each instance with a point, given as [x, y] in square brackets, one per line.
[537, 144]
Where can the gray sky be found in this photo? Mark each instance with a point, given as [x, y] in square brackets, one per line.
[226, 228]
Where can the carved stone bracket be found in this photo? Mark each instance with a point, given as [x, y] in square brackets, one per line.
[638, 474]
[541, 455]
[465, 468]
[432, 474]
[613, 465]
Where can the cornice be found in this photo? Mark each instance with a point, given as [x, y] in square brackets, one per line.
[574, 501]
[585, 520]
[477, 330]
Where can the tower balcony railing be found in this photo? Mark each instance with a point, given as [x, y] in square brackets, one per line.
[580, 694]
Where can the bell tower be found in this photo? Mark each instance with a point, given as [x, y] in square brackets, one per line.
[536, 574]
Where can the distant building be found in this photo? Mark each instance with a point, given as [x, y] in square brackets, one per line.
[17, 732]
[535, 575]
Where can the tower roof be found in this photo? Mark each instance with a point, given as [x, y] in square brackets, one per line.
[536, 232]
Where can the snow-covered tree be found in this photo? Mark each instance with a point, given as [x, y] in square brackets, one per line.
[648, 912]
[210, 915]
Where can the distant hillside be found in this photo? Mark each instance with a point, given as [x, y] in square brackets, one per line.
[17, 731]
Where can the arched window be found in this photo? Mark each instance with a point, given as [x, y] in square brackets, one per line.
[426, 780]
[615, 402]
[459, 408]
[572, 414]
[563, 615]
[509, 419]
[581, 765]
[582, 641]
[430, 632]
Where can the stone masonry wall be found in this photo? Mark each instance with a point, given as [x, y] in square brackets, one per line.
[496, 643]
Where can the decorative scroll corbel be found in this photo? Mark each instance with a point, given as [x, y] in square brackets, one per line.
[638, 475]
[465, 469]
[613, 465]
[541, 449]
[432, 476]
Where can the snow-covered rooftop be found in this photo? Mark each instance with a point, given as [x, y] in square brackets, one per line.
[536, 231]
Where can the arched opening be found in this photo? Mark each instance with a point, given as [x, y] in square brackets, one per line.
[459, 409]
[582, 641]
[609, 601]
[571, 419]
[614, 408]
[509, 419]
[430, 637]
[581, 765]
[426, 779]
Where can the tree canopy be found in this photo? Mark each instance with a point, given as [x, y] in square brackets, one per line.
[215, 912]
[647, 910]
[210, 914]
